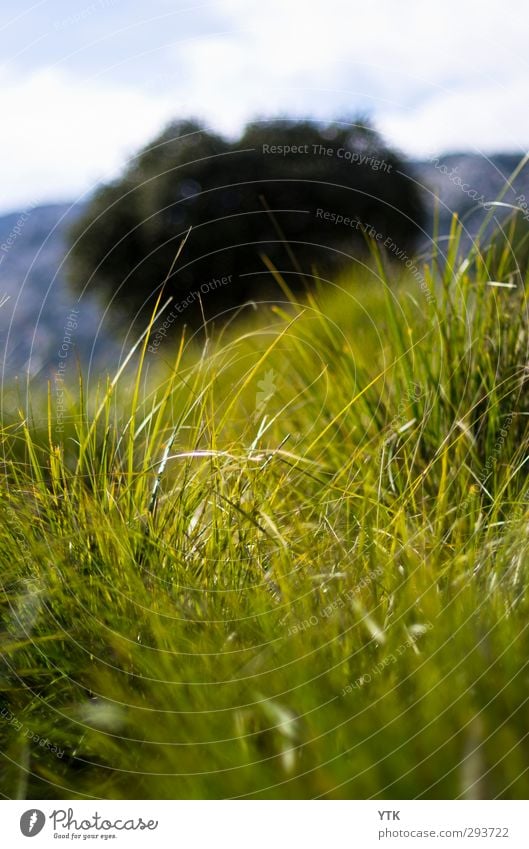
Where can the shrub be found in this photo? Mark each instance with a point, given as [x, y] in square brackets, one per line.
[302, 195]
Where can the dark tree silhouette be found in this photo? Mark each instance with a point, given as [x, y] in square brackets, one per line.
[301, 194]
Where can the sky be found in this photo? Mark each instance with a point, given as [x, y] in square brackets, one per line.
[86, 83]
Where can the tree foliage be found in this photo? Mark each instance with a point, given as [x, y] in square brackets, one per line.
[278, 191]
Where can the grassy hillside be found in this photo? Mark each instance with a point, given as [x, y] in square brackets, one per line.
[293, 564]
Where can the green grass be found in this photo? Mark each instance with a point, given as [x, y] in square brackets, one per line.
[292, 565]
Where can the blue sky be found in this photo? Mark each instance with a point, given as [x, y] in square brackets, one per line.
[84, 84]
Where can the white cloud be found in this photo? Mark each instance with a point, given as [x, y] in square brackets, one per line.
[433, 76]
[61, 134]
[485, 118]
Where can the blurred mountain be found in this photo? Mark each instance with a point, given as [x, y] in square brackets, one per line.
[35, 316]
[37, 302]
[465, 182]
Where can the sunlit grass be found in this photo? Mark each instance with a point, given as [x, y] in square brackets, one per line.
[292, 563]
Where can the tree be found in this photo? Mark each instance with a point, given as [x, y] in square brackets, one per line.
[301, 194]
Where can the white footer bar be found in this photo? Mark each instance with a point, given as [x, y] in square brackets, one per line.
[265, 824]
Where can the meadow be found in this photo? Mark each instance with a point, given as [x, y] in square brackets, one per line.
[290, 562]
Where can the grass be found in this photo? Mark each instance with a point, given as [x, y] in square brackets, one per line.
[291, 565]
